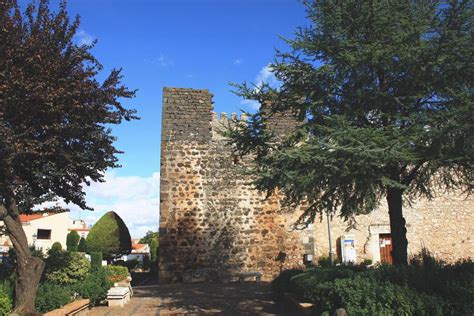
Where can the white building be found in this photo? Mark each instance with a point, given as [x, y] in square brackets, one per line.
[44, 229]
[139, 252]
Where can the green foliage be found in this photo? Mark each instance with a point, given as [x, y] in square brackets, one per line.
[52, 296]
[82, 247]
[324, 261]
[96, 260]
[38, 253]
[65, 268]
[116, 273]
[366, 296]
[95, 286]
[56, 246]
[383, 95]
[149, 236]
[425, 287]
[300, 283]
[110, 236]
[5, 303]
[72, 241]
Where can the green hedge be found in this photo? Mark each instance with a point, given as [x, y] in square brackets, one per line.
[366, 296]
[95, 286]
[424, 287]
[300, 283]
[51, 296]
[5, 303]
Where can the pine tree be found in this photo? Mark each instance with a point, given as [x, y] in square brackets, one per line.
[384, 97]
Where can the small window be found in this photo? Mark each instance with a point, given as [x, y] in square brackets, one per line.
[44, 234]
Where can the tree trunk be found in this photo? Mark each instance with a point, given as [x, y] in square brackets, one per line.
[397, 227]
[29, 268]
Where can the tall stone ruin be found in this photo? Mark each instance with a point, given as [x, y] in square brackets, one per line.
[213, 224]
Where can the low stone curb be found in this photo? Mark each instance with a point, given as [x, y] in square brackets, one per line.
[78, 307]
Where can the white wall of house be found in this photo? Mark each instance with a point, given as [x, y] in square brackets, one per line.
[56, 224]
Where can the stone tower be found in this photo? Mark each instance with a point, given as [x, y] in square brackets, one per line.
[213, 225]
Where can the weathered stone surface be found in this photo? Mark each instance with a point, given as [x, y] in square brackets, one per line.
[214, 225]
[212, 222]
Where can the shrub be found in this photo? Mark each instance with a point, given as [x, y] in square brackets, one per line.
[310, 278]
[324, 262]
[366, 296]
[56, 246]
[116, 273]
[367, 262]
[95, 286]
[110, 236]
[82, 247]
[63, 267]
[52, 296]
[96, 260]
[5, 304]
[72, 240]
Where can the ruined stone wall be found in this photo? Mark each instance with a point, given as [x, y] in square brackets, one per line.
[213, 225]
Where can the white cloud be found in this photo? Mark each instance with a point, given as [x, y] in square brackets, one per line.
[238, 61]
[265, 75]
[161, 61]
[84, 38]
[252, 104]
[135, 199]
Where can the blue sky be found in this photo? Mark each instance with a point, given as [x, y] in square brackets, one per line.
[201, 44]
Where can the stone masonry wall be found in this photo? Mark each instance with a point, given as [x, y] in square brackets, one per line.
[213, 225]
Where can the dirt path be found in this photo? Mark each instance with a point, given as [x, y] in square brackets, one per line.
[197, 299]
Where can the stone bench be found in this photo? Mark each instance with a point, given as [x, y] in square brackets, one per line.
[118, 296]
[245, 275]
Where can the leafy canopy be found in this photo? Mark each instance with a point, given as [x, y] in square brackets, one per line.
[110, 236]
[55, 115]
[384, 97]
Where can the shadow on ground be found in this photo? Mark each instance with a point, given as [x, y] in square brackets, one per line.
[213, 298]
[199, 299]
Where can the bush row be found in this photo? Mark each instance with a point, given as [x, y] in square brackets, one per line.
[94, 287]
[425, 287]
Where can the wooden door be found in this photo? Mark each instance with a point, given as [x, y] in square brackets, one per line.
[385, 245]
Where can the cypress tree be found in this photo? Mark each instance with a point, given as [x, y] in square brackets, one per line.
[72, 241]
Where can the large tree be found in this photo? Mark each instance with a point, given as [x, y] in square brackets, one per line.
[384, 96]
[54, 122]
